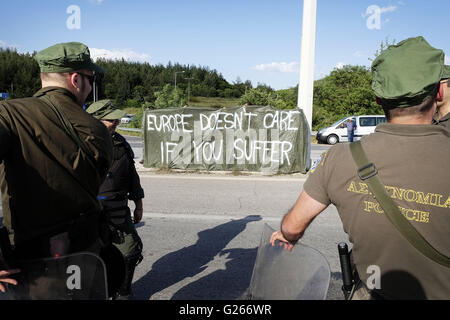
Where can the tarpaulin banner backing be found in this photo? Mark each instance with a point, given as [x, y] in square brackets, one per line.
[247, 138]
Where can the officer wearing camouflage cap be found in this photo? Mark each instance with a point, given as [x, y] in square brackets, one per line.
[122, 184]
[442, 115]
[412, 158]
[55, 157]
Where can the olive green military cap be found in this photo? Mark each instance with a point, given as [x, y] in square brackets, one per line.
[407, 74]
[105, 110]
[66, 57]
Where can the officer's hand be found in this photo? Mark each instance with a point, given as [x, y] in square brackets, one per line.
[137, 215]
[4, 274]
[277, 235]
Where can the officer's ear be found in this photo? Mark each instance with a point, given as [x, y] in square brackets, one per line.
[378, 100]
[440, 93]
[74, 79]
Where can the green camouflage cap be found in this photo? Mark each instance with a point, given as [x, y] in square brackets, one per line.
[105, 110]
[66, 57]
[446, 73]
[407, 74]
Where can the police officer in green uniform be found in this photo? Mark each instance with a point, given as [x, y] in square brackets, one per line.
[442, 115]
[412, 157]
[54, 158]
[122, 184]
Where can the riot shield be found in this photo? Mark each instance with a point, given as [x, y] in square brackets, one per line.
[278, 274]
[80, 276]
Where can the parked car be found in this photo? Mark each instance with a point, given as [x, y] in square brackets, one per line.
[337, 132]
[127, 118]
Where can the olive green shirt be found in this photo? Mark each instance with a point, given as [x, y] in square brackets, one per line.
[413, 164]
[46, 180]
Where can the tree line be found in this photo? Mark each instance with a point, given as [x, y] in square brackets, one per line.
[19, 74]
[345, 91]
[143, 82]
[123, 80]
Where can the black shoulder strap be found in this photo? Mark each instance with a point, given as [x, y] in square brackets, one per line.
[369, 174]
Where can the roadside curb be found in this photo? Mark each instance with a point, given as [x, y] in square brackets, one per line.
[241, 174]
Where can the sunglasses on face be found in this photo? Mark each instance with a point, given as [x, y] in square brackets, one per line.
[91, 78]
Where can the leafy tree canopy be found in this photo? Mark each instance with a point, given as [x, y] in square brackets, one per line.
[345, 91]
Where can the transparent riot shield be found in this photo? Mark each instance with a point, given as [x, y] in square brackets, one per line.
[80, 276]
[278, 274]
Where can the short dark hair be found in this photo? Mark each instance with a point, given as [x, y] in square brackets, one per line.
[422, 108]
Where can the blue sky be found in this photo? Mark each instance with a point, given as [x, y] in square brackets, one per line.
[257, 40]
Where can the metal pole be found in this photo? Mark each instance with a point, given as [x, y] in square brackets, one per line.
[95, 87]
[189, 91]
[176, 78]
[306, 81]
[189, 88]
[94, 92]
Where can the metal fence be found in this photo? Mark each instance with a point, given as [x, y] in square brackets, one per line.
[130, 129]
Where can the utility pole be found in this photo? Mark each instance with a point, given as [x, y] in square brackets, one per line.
[176, 78]
[189, 88]
[95, 86]
[306, 81]
[94, 90]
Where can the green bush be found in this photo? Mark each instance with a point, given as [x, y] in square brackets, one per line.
[169, 98]
[131, 103]
[137, 120]
[344, 92]
[262, 96]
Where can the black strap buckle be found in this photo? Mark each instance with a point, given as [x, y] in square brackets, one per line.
[369, 173]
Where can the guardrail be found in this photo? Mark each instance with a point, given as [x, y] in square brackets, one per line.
[130, 129]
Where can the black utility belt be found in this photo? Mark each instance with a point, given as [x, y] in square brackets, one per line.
[118, 212]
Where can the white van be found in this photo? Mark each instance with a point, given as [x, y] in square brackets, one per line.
[127, 118]
[337, 132]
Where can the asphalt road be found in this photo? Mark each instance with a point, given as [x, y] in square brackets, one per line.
[201, 232]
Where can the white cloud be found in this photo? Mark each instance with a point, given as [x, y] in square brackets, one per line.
[388, 9]
[447, 59]
[5, 45]
[339, 65]
[99, 2]
[374, 9]
[128, 55]
[373, 14]
[278, 67]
